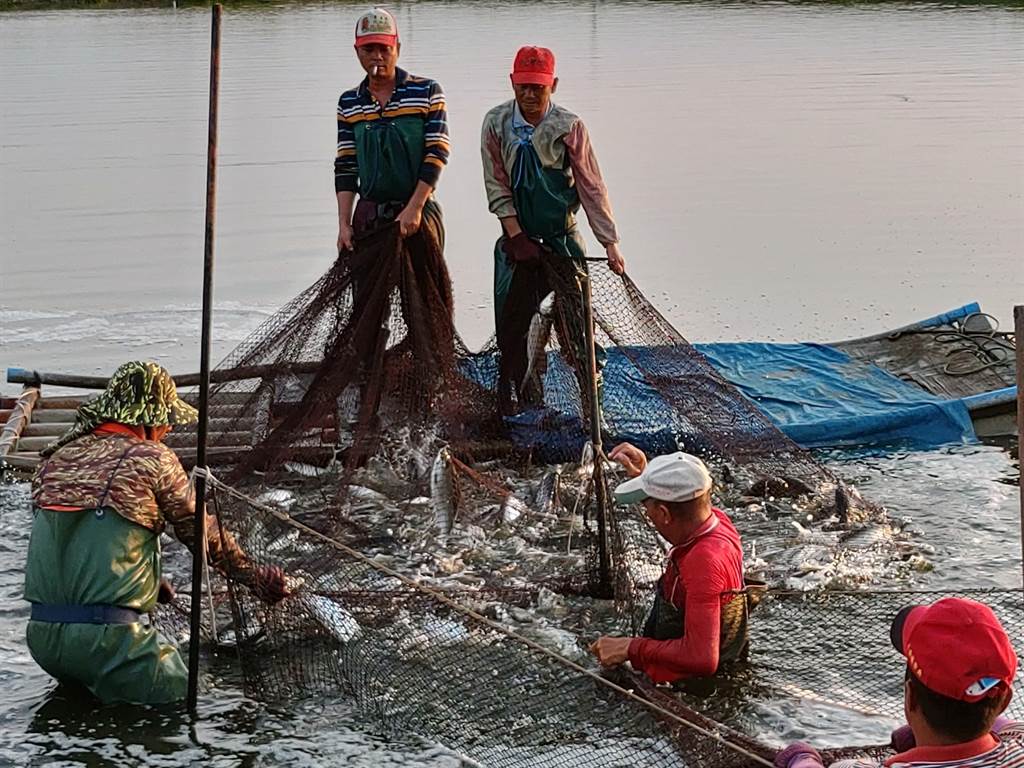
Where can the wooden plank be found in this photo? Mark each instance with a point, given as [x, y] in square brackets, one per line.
[17, 421]
[44, 430]
[22, 461]
[53, 416]
[33, 443]
[68, 403]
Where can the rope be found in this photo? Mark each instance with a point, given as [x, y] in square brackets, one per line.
[994, 348]
[440, 597]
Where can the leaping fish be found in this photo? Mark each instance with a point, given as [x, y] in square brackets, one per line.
[548, 499]
[444, 491]
[512, 508]
[328, 614]
[538, 335]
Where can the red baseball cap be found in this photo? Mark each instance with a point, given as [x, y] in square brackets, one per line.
[376, 26]
[956, 648]
[533, 66]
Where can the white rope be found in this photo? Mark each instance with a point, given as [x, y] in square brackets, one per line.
[442, 598]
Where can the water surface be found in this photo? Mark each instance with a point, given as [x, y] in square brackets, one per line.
[778, 171]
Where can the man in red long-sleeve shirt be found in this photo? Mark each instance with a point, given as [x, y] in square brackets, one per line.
[699, 618]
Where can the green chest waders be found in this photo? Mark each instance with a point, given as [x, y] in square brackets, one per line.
[546, 204]
[90, 575]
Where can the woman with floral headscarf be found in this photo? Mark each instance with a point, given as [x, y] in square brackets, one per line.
[105, 493]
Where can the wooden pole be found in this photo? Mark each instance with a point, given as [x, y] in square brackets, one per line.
[199, 548]
[239, 373]
[1018, 338]
[20, 417]
[600, 497]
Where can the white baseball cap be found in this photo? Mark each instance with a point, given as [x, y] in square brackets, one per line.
[376, 26]
[675, 477]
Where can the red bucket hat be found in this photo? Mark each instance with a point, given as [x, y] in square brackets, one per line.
[533, 66]
[956, 648]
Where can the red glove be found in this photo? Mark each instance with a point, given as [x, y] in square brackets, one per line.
[521, 248]
[165, 593]
[269, 584]
[903, 739]
[799, 754]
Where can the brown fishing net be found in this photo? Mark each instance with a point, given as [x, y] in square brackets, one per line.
[451, 593]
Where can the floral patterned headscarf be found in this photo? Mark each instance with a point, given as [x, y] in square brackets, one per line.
[138, 394]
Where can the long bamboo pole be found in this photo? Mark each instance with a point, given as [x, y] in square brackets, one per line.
[1018, 331]
[199, 548]
[76, 381]
[600, 496]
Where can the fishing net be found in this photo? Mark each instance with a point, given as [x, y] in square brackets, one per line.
[445, 530]
[501, 674]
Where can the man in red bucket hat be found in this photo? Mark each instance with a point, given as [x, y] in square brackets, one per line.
[539, 168]
[960, 672]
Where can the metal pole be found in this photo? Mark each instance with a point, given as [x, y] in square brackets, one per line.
[1018, 339]
[199, 549]
[604, 562]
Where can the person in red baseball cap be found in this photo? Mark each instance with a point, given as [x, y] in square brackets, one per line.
[959, 679]
[539, 169]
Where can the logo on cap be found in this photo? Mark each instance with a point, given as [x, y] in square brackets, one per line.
[376, 26]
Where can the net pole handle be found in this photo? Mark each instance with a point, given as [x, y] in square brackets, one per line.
[604, 563]
[199, 546]
[1018, 331]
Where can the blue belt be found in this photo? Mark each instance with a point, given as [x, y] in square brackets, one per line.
[84, 614]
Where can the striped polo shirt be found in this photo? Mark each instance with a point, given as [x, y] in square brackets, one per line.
[417, 107]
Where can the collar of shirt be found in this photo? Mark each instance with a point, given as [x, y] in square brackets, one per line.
[710, 524]
[519, 124]
[364, 87]
[947, 754]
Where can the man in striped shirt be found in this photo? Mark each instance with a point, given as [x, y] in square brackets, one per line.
[392, 139]
[960, 672]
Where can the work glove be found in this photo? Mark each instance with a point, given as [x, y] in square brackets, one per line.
[165, 593]
[269, 584]
[799, 754]
[521, 248]
[903, 739]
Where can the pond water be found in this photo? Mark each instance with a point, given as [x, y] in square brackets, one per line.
[786, 172]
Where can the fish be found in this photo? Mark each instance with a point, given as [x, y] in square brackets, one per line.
[444, 491]
[431, 632]
[306, 470]
[512, 508]
[328, 614]
[286, 541]
[362, 493]
[538, 336]
[548, 499]
[866, 537]
[779, 487]
[278, 497]
[445, 631]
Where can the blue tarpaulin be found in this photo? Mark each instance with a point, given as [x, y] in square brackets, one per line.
[816, 394]
[820, 396]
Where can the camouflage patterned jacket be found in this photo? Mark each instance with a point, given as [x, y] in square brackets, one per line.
[143, 481]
